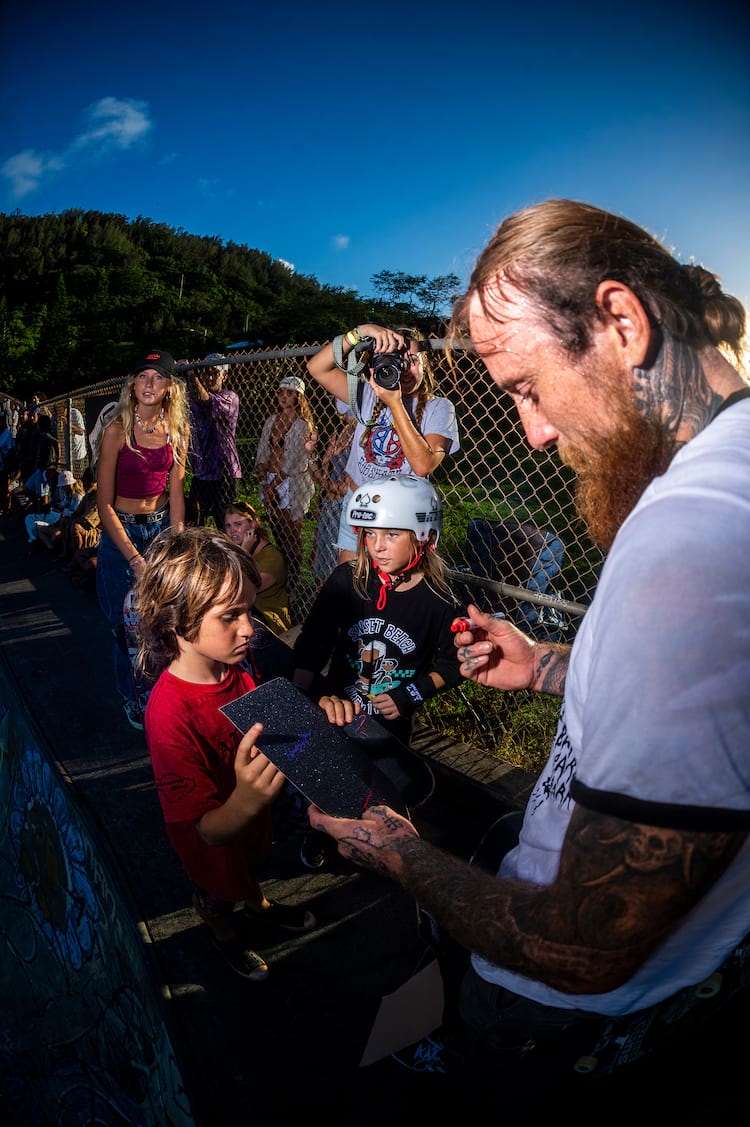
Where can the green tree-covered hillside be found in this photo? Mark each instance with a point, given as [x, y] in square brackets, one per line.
[83, 292]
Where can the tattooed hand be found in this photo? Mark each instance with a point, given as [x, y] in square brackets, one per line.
[373, 841]
[498, 654]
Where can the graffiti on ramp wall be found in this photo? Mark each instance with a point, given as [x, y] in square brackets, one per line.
[83, 1036]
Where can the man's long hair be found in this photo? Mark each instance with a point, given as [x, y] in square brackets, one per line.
[559, 251]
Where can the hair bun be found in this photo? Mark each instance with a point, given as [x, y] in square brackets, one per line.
[705, 282]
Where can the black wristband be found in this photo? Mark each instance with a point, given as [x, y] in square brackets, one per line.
[412, 694]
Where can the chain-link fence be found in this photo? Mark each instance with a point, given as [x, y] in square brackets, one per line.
[511, 537]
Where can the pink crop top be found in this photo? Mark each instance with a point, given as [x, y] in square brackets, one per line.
[143, 472]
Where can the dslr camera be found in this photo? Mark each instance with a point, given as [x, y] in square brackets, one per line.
[389, 367]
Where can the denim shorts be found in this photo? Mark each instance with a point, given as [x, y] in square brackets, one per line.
[347, 538]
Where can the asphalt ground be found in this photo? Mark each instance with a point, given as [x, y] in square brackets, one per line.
[262, 1053]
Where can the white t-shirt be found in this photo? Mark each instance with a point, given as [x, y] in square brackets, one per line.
[95, 438]
[79, 440]
[655, 724]
[380, 454]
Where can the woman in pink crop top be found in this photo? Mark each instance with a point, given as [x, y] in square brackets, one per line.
[140, 491]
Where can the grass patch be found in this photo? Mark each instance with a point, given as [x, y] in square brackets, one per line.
[517, 728]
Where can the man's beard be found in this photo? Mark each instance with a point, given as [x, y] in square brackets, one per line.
[613, 470]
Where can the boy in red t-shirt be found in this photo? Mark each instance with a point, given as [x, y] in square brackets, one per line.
[194, 602]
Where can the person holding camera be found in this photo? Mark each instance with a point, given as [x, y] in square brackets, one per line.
[402, 426]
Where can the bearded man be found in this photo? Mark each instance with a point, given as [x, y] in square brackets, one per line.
[630, 882]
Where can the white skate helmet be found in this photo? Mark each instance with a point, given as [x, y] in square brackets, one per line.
[400, 501]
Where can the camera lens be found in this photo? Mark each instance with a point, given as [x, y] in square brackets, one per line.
[388, 368]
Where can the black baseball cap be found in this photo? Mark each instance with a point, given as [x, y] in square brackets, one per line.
[157, 359]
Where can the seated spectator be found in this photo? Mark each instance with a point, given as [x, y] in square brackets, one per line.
[243, 526]
[67, 497]
[82, 569]
[77, 530]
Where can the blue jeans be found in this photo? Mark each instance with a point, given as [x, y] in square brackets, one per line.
[113, 581]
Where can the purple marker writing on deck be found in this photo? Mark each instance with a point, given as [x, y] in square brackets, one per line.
[459, 625]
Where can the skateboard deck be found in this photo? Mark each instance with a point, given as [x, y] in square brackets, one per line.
[330, 766]
[410, 774]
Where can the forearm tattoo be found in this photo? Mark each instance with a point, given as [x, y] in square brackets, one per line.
[551, 670]
[621, 888]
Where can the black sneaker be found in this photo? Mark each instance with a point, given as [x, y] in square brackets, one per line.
[285, 916]
[313, 852]
[133, 714]
[242, 960]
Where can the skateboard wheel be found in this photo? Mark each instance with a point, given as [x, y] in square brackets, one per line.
[709, 987]
[586, 1065]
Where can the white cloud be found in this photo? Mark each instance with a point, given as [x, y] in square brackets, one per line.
[25, 171]
[341, 242]
[113, 124]
[289, 265]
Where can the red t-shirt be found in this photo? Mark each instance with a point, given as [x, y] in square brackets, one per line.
[192, 747]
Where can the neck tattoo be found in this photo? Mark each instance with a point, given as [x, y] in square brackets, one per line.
[142, 425]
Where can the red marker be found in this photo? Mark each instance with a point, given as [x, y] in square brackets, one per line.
[460, 625]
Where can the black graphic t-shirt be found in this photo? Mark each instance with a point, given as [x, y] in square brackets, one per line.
[374, 651]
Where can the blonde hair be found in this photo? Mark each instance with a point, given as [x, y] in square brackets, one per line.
[302, 407]
[176, 411]
[186, 573]
[430, 565]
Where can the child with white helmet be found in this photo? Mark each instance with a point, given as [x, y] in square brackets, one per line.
[381, 623]
[383, 619]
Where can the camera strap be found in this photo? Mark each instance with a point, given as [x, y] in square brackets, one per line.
[353, 366]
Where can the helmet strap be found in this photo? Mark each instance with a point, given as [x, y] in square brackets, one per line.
[389, 582]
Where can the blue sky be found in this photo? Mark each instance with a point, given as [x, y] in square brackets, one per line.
[347, 139]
